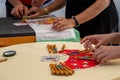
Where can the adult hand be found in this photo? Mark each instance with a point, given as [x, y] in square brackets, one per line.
[97, 40]
[34, 12]
[37, 3]
[62, 24]
[105, 53]
[19, 10]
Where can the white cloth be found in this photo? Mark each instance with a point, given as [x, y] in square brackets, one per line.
[44, 32]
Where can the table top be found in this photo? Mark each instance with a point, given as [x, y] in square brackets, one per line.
[26, 64]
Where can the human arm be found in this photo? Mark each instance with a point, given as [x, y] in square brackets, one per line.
[101, 39]
[19, 9]
[15, 2]
[56, 5]
[95, 9]
[37, 3]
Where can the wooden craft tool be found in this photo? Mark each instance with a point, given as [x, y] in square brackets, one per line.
[116, 78]
[2, 59]
[24, 19]
[86, 51]
[49, 48]
[55, 48]
[60, 69]
[69, 70]
[66, 73]
[56, 70]
[85, 58]
[63, 47]
[52, 69]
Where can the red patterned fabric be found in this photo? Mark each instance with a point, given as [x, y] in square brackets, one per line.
[78, 60]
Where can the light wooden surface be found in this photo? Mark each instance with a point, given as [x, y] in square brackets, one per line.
[26, 64]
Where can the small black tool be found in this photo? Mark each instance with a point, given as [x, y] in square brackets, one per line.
[9, 53]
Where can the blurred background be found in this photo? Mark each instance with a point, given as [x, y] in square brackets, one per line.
[59, 13]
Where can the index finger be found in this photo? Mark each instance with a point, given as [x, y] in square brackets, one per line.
[84, 39]
[25, 11]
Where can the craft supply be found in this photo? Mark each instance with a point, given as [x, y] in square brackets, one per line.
[77, 61]
[52, 69]
[2, 59]
[52, 49]
[86, 51]
[68, 67]
[70, 71]
[55, 48]
[65, 72]
[9, 53]
[85, 58]
[63, 47]
[56, 70]
[74, 53]
[24, 19]
[49, 48]
[60, 69]
[50, 58]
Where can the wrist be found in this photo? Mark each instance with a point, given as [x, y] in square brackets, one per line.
[75, 21]
[114, 37]
[46, 10]
[72, 22]
[17, 4]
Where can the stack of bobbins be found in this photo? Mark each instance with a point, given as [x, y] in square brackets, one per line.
[58, 69]
[52, 49]
[61, 69]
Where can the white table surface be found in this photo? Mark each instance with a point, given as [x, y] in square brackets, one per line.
[26, 64]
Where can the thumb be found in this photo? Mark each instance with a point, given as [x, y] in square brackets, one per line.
[97, 45]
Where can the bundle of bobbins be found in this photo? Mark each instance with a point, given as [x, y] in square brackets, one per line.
[58, 68]
[53, 49]
[61, 69]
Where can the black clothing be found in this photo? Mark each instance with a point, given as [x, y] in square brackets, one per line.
[105, 22]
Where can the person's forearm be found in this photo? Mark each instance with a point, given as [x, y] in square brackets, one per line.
[56, 5]
[92, 11]
[116, 38]
[15, 2]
